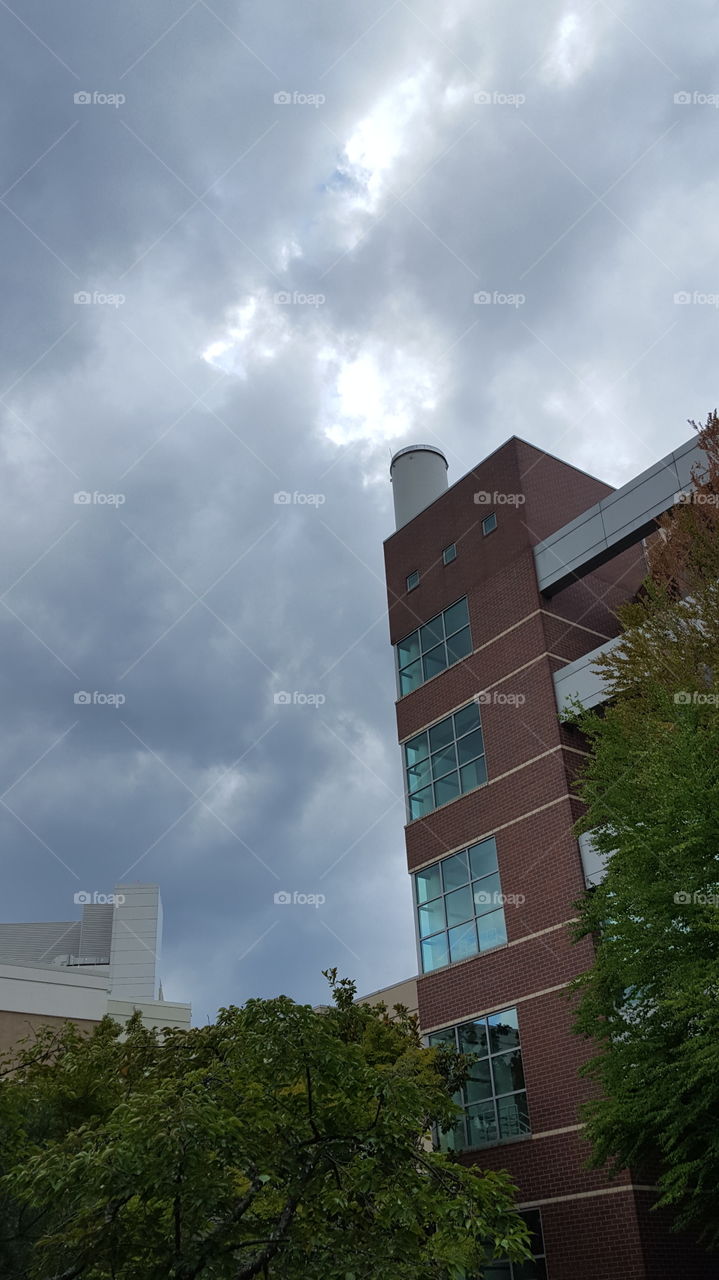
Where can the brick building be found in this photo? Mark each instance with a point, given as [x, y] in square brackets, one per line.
[501, 589]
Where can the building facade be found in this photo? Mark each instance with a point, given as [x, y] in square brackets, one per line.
[105, 962]
[501, 590]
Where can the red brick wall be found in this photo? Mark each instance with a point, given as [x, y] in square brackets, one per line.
[538, 857]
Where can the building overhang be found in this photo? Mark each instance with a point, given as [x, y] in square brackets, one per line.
[619, 521]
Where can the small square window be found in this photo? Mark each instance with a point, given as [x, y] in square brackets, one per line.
[450, 553]
[489, 524]
[413, 580]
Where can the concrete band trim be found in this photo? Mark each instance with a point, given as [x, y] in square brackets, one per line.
[586, 1195]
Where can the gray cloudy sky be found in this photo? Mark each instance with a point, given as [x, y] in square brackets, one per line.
[428, 152]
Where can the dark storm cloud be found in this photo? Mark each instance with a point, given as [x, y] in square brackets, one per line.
[192, 592]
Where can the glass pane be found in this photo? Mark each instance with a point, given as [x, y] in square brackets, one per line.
[431, 633]
[466, 719]
[454, 871]
[441, 734]
[474, 774]
[459, 646]
[450, 553]
[428, 883]
[446, 789]
[463, 941]
[487, 894]
[489, 523]
[473, 1038]
[410, 678]
[443, 761]
[443, 1037]
[413, 579]
[479, 1087]
[460, 907]
[470, 746]
[481, 1124]
[533, 1217]
[408, 650]
[416, 749]
[508, 1072]
[435, 953]
[421, 803]
[503, 1030]
[491, 929]
[513, 1115]
[418, 776]
[434, 661]
[454, 1140]
[483, 857]
[431, 920]
[456, 617]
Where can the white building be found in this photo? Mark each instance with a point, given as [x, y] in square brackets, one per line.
[106, 962]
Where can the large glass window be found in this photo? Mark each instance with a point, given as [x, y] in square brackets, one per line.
[445, 761]
[494, 1099]
[460, 909]
[432, 648]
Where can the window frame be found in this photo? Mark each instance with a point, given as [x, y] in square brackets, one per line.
[492, 516]
[413, 587]
[432, 780]
[495, 1096]
[447, 637]
[481, 882]
[453, 548]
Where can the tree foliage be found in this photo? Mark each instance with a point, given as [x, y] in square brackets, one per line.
[651, 786]
[280, 1141]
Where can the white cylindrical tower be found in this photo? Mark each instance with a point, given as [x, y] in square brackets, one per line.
[419, 475]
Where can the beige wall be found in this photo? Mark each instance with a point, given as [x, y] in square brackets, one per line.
[399, 993]
[15, 1026]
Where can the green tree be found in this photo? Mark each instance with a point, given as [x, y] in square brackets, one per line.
[651, 786]
[280, 1141]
